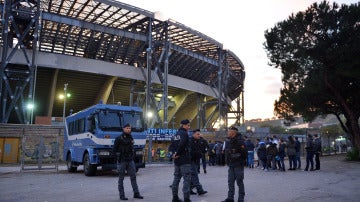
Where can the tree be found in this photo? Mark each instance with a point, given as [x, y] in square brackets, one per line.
[318, 52]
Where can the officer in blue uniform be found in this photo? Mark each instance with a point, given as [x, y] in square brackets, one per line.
[236, 154]
[182, 162]
[124, 150]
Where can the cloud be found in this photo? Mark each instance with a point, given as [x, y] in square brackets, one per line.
[273, 88]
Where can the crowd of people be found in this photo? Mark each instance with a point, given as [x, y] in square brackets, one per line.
[271, 152]
[236, 151]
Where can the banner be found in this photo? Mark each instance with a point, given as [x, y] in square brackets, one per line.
[160, 134]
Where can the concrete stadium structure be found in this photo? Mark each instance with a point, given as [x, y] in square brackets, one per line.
[110, 51]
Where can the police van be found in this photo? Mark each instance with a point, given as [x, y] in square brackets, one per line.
[90, 134]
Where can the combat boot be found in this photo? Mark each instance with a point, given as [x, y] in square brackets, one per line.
[137, 195]
[176, 199]
[202, 192]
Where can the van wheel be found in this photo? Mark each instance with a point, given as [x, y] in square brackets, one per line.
[89, 170]
[70, 165]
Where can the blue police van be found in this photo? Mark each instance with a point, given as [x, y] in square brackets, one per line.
[90, 134]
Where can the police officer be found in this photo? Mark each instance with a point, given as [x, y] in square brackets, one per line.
[236, 154]
[124, 150]
[196, 154]
[182, 162]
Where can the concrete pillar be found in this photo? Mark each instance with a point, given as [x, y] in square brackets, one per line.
[105, 90]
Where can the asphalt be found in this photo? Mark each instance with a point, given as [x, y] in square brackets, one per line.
[338, 180]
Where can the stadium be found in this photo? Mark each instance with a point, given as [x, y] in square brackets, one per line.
[111, 52]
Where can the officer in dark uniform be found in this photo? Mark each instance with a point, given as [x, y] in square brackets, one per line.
[182, 162]
[196, 154]
[124, 150]
[236, 154]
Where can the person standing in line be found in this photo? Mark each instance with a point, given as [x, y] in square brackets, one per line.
[257, 158]
[236, 153]
[250, 148]
[211, 154]
[281, 154]
[291, 152]
[271, 152]
[277, 160]
[196, 154]
[182, 162]
[317, 151]
[297, 149]
[218, 150]
[204, 148]
[309, 153]
[262, 155]
[124, 150]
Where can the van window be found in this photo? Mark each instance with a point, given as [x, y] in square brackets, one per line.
[135, 120]
[109, 120]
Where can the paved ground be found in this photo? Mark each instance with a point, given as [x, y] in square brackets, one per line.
[337, 181]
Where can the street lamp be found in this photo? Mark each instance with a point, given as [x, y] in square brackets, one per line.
[149, 115]
[64, 97]
[173, 121]
[30, 109]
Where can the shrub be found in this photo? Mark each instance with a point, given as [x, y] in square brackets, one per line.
[352, 154]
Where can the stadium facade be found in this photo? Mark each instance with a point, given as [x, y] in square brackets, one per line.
[117, 53]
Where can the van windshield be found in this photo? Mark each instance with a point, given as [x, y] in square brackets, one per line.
[135, 119]
[110, 120]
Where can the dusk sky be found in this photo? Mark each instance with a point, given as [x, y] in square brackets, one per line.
[239, 26]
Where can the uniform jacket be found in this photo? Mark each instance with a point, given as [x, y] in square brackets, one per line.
[236, 151]
[124, 147]
[204, 145]
[196, 150]
[182, 147]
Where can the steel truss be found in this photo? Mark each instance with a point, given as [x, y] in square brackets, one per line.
[20, 30]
